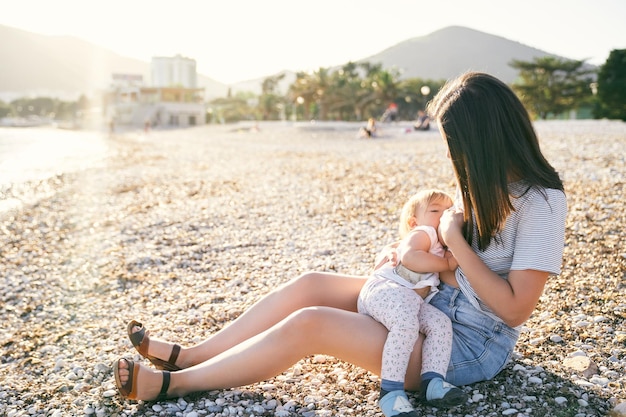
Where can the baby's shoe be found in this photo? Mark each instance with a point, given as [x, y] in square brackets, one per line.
[396, 404]
[441, 394]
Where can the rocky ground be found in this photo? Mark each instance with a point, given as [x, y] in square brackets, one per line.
[185, 229]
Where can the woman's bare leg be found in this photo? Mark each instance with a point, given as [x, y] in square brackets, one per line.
[310, 289]
[347, 335]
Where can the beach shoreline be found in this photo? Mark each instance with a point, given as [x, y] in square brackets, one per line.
[185, 229]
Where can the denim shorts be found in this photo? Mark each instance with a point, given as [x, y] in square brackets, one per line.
[481, 346]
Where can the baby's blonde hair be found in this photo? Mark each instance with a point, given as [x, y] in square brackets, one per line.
[419, 200]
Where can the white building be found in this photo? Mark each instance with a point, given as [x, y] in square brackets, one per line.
[172, 99]
[176, 71]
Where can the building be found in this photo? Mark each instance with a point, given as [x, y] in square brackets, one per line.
[176, 71]
[171, 100]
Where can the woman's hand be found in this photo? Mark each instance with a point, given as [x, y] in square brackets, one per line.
[392, 257]
[451, 225]
[389, 254]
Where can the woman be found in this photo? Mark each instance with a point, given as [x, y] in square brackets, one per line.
[507, 241]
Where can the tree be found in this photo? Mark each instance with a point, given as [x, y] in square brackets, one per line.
[611, 87]
[270, 101]
[343, 92]
[381, 88]
[310, 89]
[416, 93]
[232, 108]
[5, 109]
[551, 85]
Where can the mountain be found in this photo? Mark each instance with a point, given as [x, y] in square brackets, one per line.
[62, 66]
[446, 53]
[443, 54]
[67, 66]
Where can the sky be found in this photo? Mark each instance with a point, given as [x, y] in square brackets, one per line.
[238, 40]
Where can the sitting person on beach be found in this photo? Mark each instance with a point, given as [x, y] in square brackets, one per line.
[422, 122]
[368, 131]
[390, 114]
[397, 294]
[506, 232]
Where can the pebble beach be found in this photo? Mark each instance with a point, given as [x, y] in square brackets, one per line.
[185, 229]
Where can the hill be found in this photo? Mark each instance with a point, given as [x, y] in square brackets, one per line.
[450, 51]
[61, 66]
[443, 54]
[72, 66]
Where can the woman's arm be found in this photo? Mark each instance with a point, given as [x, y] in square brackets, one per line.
[513, 299]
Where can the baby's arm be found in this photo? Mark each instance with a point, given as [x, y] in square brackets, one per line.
[413, 253]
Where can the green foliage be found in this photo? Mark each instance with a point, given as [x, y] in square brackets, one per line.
[611, 87]
[414, 94]
[552, 86]
[230, 109]
[5, 109]
[271, 103]
[358, 91]
[44, 107]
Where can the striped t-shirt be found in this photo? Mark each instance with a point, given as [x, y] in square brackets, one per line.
[533, 238]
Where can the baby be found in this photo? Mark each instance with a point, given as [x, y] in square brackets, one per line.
[397, 295]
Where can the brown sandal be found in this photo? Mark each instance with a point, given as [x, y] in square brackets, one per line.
[141, 341]
[129, 389]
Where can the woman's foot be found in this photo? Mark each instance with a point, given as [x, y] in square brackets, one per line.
[154, 384]
[155, 349]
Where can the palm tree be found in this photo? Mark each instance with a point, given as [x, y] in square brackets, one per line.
[311, 88]
[347, 90]
[384, 87]
[416, 93]
[270, 99]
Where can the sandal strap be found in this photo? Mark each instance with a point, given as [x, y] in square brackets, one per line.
[136, 337]
[174, 354]
[164, 386]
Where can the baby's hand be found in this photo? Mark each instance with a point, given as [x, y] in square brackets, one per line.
[452, 263]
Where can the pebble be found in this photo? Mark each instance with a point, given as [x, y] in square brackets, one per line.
[620, 410]
[185, 229]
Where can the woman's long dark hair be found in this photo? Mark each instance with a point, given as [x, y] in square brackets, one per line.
[491, 142]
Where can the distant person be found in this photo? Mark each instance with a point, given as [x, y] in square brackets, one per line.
[422, 122]
[368, 131]
[391, 113]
